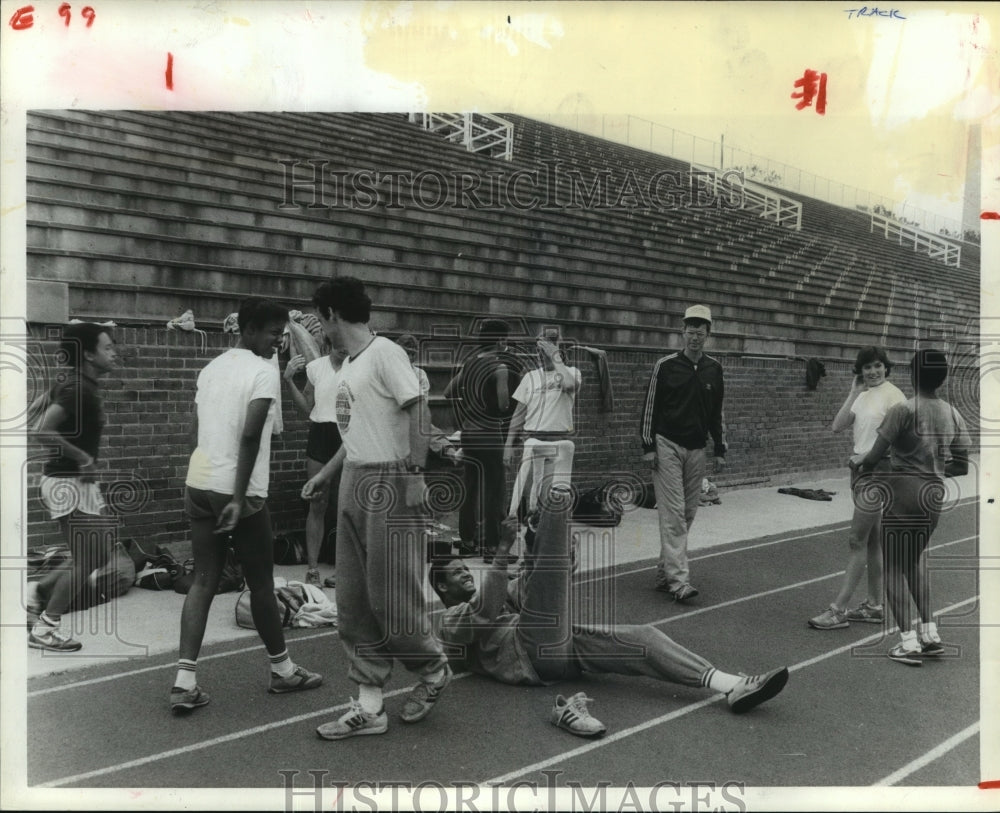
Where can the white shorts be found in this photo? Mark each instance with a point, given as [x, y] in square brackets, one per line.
[64, 495]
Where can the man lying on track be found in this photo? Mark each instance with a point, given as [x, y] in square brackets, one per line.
[540, 645]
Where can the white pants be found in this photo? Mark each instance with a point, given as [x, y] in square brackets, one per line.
[549, 462]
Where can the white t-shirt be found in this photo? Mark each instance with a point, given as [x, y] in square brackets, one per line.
[374, 387]
[226, 386]
[324, 380]
[869, 409]
[549, 406]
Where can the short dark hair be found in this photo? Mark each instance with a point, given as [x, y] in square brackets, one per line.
[697, 323]
[494, 329]
[256, 312]
[437, 572]
[80, 338]
[344, 296]
[869, 354]
[929, 368]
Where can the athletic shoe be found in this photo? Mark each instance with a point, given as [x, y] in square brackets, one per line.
[53, 640]
[422, 698]
[684, 592]
[752, 690]
[300, 680]
[911, 657]
[312, 577]
[933, 648]
[353, 723]
[573, 716]
[930, 643]
[187, 699]
[330, 581]
[830, 619]
[867, 613]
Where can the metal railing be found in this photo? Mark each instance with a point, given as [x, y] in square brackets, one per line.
[756, 199]
[937, 247]
[479, 132]
[663, 140]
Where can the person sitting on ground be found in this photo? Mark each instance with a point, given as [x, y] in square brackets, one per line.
[928, 440]
[516, 648]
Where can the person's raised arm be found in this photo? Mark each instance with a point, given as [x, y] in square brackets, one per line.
[845, 418]
[253, 428]
[570, 382]
[301, 398]
[491, 598]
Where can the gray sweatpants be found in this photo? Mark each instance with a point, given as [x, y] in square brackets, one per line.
[677, 483]
[381, 558]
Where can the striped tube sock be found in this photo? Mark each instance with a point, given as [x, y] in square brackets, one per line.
[186, 678]
[719, 681]
[281, 664]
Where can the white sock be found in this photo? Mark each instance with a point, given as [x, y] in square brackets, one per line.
[909, 640]
[929, 631]
[186, 677]
[44, 625]
[281, 664]
[722, 681]
[370, 698]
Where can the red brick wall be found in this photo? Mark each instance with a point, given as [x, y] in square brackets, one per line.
[775, 425]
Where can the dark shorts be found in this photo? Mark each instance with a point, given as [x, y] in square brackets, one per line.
[324, 441]
[200, 504]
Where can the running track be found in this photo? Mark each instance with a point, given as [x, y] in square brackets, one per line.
[848, 716]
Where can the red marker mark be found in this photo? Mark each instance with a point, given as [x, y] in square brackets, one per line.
[813, 85]
[991, 785]
[170, 71]
[88, 14]
[22, 18]
[64, 11]
[990, 216]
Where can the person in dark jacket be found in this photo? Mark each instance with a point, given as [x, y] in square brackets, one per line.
[683, 406]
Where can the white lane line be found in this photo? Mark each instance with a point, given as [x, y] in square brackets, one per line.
[775, 590]
[171, 665]
[607, 571]
[628, 732]
[667, 620]
[948, 745]
[200, 746]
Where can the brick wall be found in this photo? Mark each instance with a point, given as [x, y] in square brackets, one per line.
[775, 427]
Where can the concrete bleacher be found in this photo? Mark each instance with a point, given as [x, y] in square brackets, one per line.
[146, 214]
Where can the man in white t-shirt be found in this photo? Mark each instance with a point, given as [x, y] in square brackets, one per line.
[381, 527]
[225, 495]
[546, 397]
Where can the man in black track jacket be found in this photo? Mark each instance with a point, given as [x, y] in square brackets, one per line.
[683, 406]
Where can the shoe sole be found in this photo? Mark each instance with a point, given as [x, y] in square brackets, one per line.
[829, 626]
[866, 620]
[914, 659]
[47, 648]
[358, 732]
[178, 708]
[302, 687]
[770, 688]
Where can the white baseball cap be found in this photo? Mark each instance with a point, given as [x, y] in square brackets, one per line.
[698, 312]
